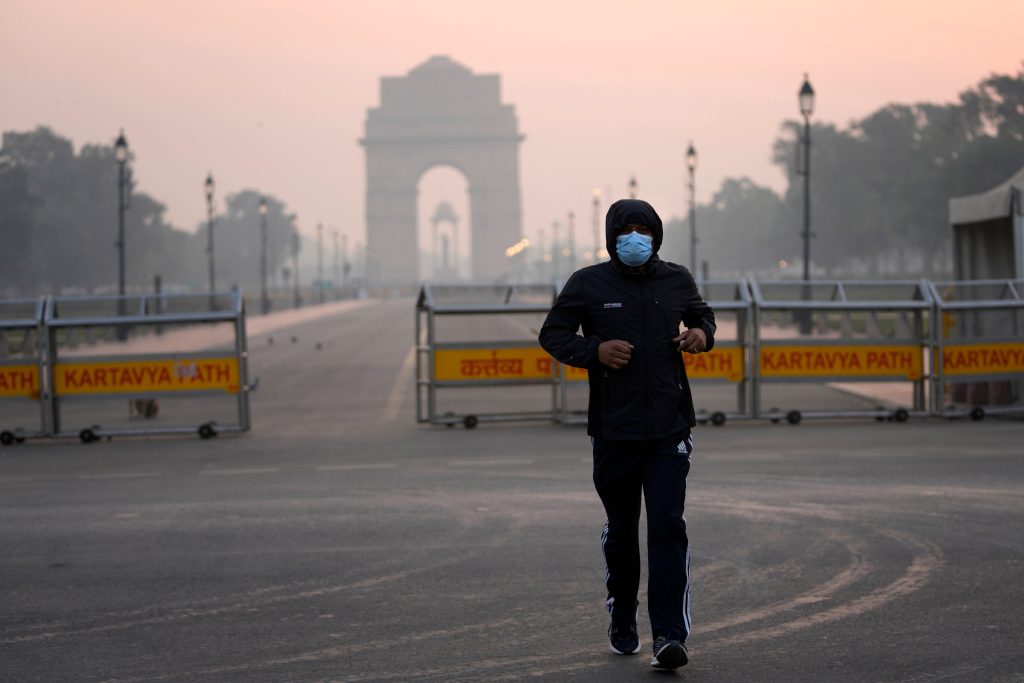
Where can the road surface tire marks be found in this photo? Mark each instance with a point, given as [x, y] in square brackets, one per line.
[381, 573]
[821, 600]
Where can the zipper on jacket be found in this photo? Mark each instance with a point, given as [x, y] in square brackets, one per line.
[643, 336]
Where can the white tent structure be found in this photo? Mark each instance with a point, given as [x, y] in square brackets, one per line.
[988, 232]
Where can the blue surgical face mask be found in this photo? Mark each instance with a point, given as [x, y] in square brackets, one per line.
[634, 249]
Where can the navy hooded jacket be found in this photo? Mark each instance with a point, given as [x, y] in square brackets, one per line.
[650, 397]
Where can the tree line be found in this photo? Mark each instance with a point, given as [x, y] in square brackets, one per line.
[58, 219]
[880, 189]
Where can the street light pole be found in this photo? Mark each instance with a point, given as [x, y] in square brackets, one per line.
[543, 255]
[209, 236]
[345, 265]
[806, 99]
[556, 249]
[337, 273]
[121, 155]
[632, 187]
[597, 219]
[297, 297]
[123, 199]
[320, 262]
[691, 165]
[264, 298]
[571, 227]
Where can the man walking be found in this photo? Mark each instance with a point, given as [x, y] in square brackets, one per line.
[640, 416]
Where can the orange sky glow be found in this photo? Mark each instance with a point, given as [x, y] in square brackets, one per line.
[273, 95]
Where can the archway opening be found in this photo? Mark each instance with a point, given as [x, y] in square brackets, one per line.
[443, 226]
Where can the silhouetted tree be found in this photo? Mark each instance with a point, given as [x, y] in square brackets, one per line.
[16, 206]
[882, 186]
[58, 215]
[237, 237]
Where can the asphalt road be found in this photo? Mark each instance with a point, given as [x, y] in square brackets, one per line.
[339, 541]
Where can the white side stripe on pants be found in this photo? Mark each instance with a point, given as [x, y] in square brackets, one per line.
[607, 572]
[686, 598]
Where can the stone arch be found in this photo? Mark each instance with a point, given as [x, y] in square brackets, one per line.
[440, 114]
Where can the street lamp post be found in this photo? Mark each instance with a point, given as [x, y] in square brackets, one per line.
[543, 256]
[806, 99]
[336, 284]
[632, 187]
[208, 185]
[691, 165]
[264, 297]
[320, 262]
[556, 248]
[571, 228]
[597, 219]
[345, 265]
[121, 155]
[297, 298]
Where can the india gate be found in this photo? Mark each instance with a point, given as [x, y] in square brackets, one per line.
[440, 113]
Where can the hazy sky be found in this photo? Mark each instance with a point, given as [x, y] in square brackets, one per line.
[273, 95]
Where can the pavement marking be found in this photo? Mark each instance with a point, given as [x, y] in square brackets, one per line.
[493, 461]
[250, 470]
[358, 466]
[121, 475]
[401, 386]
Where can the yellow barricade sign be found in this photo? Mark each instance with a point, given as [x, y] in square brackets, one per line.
[983, 359]
[896, 362]
[19, 381]
[141, 376]
[468, 365]
[718, 363]
[452, 365]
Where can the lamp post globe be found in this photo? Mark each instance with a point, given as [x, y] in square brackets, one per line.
[806, 97]
[121, 148]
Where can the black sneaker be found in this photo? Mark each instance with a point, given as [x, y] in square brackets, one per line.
[668, 654]
[622, 636]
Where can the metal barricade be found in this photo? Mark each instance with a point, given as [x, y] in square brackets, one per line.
[843, 334]
[727, 363]
[23, 404]
[488, 339]
[979, 348]
[173, 359]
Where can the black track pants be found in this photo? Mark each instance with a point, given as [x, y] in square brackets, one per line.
[658, 469]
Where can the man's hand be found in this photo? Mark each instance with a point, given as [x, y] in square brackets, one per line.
[614, 353]
[692, 341]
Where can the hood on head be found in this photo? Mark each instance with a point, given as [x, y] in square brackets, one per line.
[626, 211]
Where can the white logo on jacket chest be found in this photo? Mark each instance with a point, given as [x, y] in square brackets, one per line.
[614, 305]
